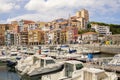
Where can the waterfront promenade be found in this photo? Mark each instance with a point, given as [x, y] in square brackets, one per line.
[111, 49]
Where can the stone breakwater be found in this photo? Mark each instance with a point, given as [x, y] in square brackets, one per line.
[112, 49]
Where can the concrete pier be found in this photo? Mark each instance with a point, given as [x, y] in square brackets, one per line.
[112, 49]
[108, 68]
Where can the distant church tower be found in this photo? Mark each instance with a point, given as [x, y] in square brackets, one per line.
[83, 18]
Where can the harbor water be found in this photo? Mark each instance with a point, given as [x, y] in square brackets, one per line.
[5, 74]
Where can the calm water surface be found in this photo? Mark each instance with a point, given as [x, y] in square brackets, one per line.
[7, 75]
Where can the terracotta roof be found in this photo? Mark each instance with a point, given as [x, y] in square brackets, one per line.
[65, 22]
[35, 30]
[64, 30]
[76, 35]
[73, 17]
[59, 19]
[14, 22]
[68, 27]
[28, 21]
[89, 33]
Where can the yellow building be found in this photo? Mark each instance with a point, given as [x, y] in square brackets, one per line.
[59, 36]
[41, 24]
[23, 38]
[46, 37]
[2, 33]
[35, 37]
[63, 37]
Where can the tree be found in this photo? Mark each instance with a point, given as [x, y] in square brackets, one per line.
[89, 25]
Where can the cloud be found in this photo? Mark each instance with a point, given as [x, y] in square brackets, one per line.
[2, 21]
[100, 7]
[26, 16]
[40, 16]
[7, 6]
[42, 5]
[46, 10]
[17, 7]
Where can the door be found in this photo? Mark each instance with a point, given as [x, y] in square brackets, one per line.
[68, 70]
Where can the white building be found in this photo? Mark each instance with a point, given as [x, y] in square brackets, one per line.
[32, 26]
[50, 37]
[102, 30]
[45, 28]
[89, 37]
[79, 39]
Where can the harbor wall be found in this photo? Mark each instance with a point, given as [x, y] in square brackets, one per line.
[112, 49]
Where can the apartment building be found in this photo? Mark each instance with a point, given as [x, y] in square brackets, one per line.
[24, 38]
[71, 34]
[63, 37]
[41, 24]
[35, 37]
[17, 39]
[3, 28]
[59, 36]
[2, 33]
[24, 24]
[15, 27]
[9, 37]
[102, 30]
[31, 26]
[49, 37]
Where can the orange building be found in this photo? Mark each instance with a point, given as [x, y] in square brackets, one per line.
[3, 28]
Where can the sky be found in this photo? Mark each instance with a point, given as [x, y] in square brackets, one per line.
[107, 11]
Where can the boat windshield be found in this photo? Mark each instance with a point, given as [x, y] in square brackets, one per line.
[13, 54]
[42, 63]
[24, 48]
[79, 66]
[50, 61]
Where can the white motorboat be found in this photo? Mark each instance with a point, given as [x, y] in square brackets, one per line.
[10, 56]
[24, 62]
[73, 71]
[70, 70]
[46, 65]
[115, 61]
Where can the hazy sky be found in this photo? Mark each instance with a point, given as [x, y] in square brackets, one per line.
[46, 10]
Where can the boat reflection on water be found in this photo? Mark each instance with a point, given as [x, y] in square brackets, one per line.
[5, 74]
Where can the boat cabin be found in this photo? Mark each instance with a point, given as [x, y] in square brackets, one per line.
[70, 70]
[71, 66]
[46, 61]
[94, 74]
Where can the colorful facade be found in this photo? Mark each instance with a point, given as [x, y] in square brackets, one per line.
[24, 38]
[58, 31]
[35, 37]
